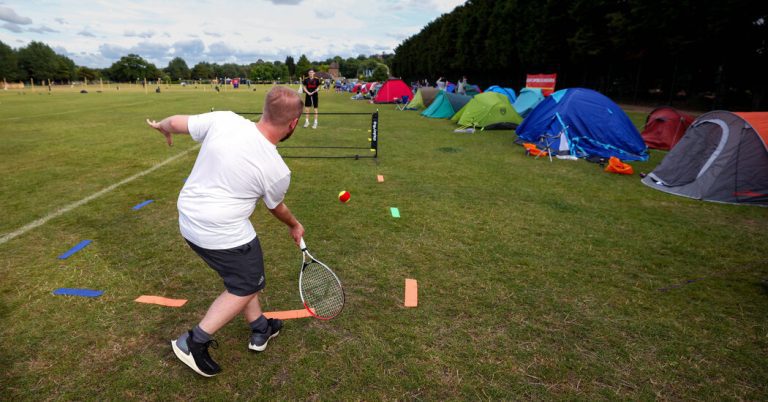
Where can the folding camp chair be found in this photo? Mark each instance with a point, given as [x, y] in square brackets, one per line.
[401, 102]
[546, 140]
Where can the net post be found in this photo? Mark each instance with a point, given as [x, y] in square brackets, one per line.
[375, 134]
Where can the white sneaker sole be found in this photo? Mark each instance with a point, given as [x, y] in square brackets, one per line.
[264, 346]
[188, 359]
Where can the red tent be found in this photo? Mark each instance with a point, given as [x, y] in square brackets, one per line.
[664, 127]
[367, 87]
[393, 90]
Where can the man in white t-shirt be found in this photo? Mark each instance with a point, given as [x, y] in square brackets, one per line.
[238, 164]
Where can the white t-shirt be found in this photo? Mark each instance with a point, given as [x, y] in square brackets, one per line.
[236, 167]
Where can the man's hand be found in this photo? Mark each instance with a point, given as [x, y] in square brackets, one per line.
[159, 127]
[297, 232]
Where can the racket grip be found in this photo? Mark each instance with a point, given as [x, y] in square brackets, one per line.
[302, 245]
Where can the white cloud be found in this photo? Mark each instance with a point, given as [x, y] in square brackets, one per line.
[9, 15]
[86, 33]
[285, 2]
[133, 34]
[12, 27]
[42, 29]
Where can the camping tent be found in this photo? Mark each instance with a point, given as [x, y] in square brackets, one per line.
[664, 127]
[393, 90]
[590, 123]
[529, 98]
[472, 90]
[423, 98]
[508, 92]
[488, 110]
[367, 87]
[446, 105]
[722, 157]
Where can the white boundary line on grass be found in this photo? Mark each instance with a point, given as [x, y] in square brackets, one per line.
[26, 228]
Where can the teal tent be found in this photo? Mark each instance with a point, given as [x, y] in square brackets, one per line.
[527, 100]
[445, 105]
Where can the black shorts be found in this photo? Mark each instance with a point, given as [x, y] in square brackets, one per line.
[311, 100]
[241, 268]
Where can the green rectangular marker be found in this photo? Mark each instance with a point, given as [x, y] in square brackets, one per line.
[395, 212]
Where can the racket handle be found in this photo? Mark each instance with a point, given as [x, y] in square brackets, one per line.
[302, 245]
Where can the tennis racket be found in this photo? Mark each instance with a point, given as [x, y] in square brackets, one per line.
[319, 287]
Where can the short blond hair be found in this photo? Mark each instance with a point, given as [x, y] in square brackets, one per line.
[281, 106]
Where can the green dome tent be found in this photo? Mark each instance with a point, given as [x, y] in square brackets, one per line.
[488, 110]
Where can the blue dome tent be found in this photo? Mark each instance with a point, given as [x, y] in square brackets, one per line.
[591, 124]
[508, 92]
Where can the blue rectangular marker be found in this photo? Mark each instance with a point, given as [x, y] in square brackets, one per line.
[142, 205]
[75, 249]
[78, 292]
[395, 212]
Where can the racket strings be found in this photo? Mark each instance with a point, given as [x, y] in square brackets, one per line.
[321, 290]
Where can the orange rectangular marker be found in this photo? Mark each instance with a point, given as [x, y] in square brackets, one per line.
[289, 314]
[380, 178]
[411, 293]
[163, 301]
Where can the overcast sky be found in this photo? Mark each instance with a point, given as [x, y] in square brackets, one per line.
[97, 33]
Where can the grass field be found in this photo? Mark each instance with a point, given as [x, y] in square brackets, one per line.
[537, 280]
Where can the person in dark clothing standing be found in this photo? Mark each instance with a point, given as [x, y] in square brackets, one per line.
[311, 85]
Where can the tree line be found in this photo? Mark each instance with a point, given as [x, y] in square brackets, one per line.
[37, 61]
[689, 53]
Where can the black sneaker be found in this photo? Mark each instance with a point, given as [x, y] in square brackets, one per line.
[195, 355]
[259, 340]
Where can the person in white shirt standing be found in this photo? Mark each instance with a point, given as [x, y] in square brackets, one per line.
[238, 164]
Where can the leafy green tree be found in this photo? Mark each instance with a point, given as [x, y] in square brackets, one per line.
[380, 73]
[85, 73]
[65, 69]
[131, 68]
[291, 65]
[349, 67]
[178, 69]
[38, 61]
[9, 64]
[303, 66]
[262, 72]
[230, 70]
[202, 71]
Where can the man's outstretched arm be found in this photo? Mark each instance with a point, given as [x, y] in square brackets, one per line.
[283, 214]
[171, 125]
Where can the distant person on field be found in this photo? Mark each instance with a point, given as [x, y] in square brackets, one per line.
[237, 165]
[461, 87]
[441, 84]
[310, 85]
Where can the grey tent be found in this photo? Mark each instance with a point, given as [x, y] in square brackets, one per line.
[423, 98]
[722, 157]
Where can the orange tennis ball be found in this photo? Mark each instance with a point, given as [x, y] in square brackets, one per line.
[344, 196]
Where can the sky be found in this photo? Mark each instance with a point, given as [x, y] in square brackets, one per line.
[97, 33]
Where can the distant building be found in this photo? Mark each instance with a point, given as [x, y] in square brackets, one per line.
[334, 70]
